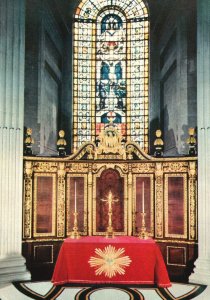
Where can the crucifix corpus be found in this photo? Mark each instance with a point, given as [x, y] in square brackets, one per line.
[110, 200]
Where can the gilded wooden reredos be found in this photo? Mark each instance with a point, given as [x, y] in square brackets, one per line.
[169, 193]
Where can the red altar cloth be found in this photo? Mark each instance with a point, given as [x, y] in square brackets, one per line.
[121, 260]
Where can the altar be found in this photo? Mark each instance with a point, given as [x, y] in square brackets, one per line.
[118, 260]
[103, 188]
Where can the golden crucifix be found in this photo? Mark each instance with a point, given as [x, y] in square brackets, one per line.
[110, 200]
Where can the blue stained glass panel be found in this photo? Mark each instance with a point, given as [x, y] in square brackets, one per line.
[111, 69]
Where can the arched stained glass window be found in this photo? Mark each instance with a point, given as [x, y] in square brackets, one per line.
[111, 66]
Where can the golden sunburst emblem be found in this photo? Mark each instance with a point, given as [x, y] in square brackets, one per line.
[110, 261]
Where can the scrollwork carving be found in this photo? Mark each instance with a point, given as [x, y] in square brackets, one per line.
[90, 151]
[192, 200]
[41, 166]
[159, 200]
[124, 168]
[28, 169]
[61, 170]
[61, 200]
[99, 167]
[27, 211]
[95, 168]
[192, 170]
[133, 150]
[110, 142]
[143, 167]
[175, 166]
[77, 167]
[91, 170]
[130, 150]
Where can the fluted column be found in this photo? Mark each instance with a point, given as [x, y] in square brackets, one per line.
[12, 14]
[202, 271]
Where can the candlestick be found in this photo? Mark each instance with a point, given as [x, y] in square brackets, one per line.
[143, 231]
[75, 233]
[75, 196]
[143, 196]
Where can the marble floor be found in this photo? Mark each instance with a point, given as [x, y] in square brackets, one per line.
[45, 290]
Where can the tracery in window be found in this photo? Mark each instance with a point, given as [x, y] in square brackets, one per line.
[111, 67]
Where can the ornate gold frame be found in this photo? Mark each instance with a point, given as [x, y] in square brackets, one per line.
[98, 171]
[159, 222]
[53, 233]
[27, 201]
[192, 196]
[69, 215]
[159, 170]
[61, 200]
[184, 176]
[151, 176]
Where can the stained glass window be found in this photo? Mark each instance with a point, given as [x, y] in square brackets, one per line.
[111, 66]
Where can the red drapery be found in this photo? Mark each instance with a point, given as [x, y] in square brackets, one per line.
[123, 260]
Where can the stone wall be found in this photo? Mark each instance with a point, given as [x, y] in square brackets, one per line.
[173, 75]
[47, 75]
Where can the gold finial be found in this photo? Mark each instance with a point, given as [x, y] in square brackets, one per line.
[61, 133]
[28, 142]
[158, 143]
[191, 131]
[61, 143]
[29, 131]
[158, 133]
[191, 141]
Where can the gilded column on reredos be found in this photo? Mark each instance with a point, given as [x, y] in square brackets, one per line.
[159, 200]
[90, 200]
[130, 200]
[61, 200]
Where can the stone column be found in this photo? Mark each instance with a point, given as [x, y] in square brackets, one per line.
[202, 270]
[12, 31]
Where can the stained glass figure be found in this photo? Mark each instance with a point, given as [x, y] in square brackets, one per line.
[111, 66]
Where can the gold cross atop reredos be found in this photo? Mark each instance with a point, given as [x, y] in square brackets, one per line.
[110, 200]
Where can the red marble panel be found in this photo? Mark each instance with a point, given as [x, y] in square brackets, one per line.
[176, 205]
[110, 180]
[44, 204]
[139, 202]
[77, 182]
